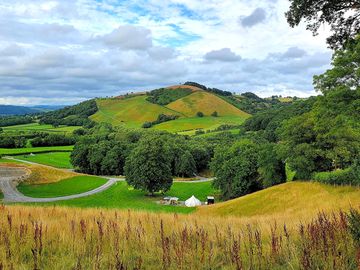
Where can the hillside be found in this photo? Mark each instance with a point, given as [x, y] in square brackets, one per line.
[21, 110]
[183, 101]
[289, 201]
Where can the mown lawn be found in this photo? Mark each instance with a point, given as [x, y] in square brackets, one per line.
[124, 197]
[70, 186]
[23, 151]
[55, 159]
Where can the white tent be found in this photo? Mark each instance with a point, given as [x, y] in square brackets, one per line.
[192, 202]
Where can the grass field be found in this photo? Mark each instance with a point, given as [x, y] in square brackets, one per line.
[65, 238]
[193, 123]
[214, 133]
[55, 159]
[289, 201]
[132, 112]
[122, 196]
[37, 127]
[70, 186]
[29, 150]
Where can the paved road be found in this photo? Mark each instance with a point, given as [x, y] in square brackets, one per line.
[9, 177]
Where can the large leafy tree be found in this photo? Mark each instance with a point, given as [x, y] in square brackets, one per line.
[345, 73]
[148, 167]
[343, 16]
[236, 169]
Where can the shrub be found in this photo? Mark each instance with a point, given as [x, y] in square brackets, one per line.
[338, 177]
[200, 114]
[215, 114]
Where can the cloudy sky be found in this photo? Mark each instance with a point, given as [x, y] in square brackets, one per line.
[65, 51]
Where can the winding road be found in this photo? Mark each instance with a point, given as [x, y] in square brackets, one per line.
[9, 177]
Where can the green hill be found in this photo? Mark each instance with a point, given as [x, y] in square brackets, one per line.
[289, 201]
[182, 101]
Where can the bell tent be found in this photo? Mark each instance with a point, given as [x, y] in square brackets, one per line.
[192, 202]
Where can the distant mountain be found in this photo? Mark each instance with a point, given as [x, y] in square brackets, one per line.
[21, 110]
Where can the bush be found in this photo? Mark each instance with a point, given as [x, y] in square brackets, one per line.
[215, 114]
[161, 118]
[200, 114]
[164, 96]
[52, 140]
[338, 177]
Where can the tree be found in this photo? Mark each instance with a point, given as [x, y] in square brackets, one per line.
[1, 130]
[200, 114]
[148, 167]
[236, 169]
[345, 73]
[114, 160]
[185, 165]
[215, 114]
[343, 16]
[271, 167]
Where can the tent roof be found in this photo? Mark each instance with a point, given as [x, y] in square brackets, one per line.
[192, 201]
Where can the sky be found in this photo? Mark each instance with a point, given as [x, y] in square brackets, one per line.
[67, 51]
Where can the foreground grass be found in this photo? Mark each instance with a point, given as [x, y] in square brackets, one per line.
[63, 238]
[55, 159]
[122, 196]
[289, 200]
[70, 186]
[29, 150]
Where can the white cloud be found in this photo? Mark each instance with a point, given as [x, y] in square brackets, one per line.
[64, 51]
[225, 55]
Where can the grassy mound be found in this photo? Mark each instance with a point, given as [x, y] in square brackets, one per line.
[207, 103]
[288, 201]
[70, 186]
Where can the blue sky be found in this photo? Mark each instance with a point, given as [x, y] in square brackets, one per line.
[66, 51]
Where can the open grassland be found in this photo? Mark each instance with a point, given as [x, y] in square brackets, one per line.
[132, 112]
[64, 238]
[29, 150]
[55, 159]
[289, 201]
[37, 127]
[122, 196]
[193, 123]
[65, 187]
[207, 103]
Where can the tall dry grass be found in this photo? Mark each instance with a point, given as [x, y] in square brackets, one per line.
[64, 238]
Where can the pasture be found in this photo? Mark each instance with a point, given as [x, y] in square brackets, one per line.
[122, 196]
[29, 128]
[54, 159]
[29, 150]
[193, 123]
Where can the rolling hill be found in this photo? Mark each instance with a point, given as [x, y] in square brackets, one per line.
[21, 110]
[134, 110]
[289, 201]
